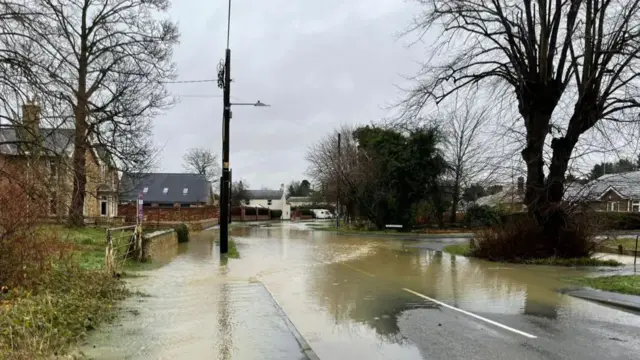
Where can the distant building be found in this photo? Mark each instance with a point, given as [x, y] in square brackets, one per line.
[166, 189]
[611, 192]
[510, 199]
[271, 199]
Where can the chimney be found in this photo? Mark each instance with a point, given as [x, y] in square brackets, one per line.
[520, 185]
[281, 186]
[30, 130]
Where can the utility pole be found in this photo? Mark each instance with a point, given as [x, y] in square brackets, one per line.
[224, 79]
[338, 185]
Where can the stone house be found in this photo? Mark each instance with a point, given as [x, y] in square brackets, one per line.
[271, 199]
[46, 154]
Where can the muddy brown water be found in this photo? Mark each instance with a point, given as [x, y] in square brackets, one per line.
[345, 294]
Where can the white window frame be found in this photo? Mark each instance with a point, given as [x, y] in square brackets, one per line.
[185, 191]
[613, 206]
[269, 202]
[635, 204]
[145, 190]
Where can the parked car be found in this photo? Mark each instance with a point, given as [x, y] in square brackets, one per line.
[322, 214]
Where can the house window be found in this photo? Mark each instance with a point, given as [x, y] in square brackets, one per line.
[269, 202]
[247, 202]
[613, 206]
[103, 206]
[165, 190]
[53, 169]
[145, 190]
[185, 191]
[635, 206]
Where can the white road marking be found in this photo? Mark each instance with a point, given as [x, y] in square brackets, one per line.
[472, 314]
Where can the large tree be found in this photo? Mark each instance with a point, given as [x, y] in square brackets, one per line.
[581, 53]
[202, 161]
[108, 62]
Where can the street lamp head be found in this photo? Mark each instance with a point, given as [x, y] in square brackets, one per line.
[261, 104]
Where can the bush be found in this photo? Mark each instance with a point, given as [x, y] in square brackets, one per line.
[525, 238]
[182, 231]
[481, 216]
[619, 221]
[306, 212]
[276, 214]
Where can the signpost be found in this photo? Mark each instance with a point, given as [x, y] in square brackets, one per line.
[140, 206]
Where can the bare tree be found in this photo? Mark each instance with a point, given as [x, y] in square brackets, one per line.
[581, 54]
[108, 62]
[203, 162]
[465, 149]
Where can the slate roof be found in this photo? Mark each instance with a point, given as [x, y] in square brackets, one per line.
[505, 196]
[56, 141]
[626, 184]
[264, 194]
[197, 185]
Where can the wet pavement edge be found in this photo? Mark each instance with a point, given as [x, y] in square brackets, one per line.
[304, 345]
[629, 303]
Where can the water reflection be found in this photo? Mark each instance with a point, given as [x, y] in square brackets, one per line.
[350, 292]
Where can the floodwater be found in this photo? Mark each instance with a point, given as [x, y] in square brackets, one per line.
[352, 296]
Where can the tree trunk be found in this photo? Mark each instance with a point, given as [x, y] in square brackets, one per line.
[455, 199]
[76, 212]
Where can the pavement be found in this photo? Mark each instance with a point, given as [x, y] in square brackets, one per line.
[627, 302]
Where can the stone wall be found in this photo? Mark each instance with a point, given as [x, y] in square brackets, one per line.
[158, 242]
[167, 215]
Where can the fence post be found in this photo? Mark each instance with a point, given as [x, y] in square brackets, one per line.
[108, 256]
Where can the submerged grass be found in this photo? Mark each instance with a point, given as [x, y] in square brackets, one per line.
[233, 250]
[624, 284]
[464, 250]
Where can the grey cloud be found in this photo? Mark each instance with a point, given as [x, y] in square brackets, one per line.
[319, 64]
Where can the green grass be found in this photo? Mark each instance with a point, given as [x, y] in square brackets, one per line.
[463, 249]
[458, 249]
[627, 243]
[233, 250]
[625, 284]
[49, 317]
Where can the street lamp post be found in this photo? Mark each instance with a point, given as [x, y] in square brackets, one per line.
[224, 82]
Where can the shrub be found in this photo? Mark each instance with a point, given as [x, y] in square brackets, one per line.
[182, 231]
[481, 216]
[276, 214]
[306, 212]
[619, 221]
[26, 253]
[525, 238]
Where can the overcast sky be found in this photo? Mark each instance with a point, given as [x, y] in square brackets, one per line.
[319, 64]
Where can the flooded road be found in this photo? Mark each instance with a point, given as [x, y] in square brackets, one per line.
[356, 297]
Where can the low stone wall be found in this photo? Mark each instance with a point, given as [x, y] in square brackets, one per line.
[158, 242]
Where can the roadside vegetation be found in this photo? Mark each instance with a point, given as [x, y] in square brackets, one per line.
[624, 284]
[52, 288]
[233, 250]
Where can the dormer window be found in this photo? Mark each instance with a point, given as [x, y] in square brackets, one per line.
[165, 190]
[185, 191]
[145, 190]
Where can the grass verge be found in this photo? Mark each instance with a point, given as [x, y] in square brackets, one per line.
[464, 250]
[627, 243]
[624, 284]
[47, 319]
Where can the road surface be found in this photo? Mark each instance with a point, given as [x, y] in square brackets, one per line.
[352, 297]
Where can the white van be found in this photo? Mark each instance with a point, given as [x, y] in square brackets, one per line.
[322, 214]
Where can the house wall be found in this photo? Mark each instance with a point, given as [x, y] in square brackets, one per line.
[280, 204]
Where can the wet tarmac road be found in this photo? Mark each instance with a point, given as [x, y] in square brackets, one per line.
[354, 297]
